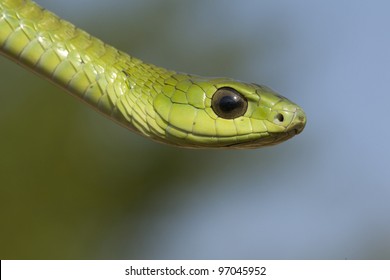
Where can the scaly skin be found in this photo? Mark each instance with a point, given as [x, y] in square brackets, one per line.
[167, 106]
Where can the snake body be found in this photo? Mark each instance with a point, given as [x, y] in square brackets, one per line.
[166, 106]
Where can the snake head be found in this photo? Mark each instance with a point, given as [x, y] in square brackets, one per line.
[202, 113]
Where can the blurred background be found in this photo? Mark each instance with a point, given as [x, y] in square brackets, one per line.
[75, 185]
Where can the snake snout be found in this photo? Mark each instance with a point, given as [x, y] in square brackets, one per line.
[298, 122]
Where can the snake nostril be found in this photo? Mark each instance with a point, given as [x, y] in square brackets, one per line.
[279, 117]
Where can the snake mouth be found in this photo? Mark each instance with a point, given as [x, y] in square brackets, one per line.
[254, 140]
[270, 140]
[296, 126]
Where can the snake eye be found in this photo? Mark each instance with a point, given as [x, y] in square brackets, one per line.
[228, 103]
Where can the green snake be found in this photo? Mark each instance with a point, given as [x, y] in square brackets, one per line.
[166, 106]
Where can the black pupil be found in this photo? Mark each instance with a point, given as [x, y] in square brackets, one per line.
[228, 103]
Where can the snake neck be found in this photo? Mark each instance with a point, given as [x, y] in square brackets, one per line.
[120, 86]
[131, 97]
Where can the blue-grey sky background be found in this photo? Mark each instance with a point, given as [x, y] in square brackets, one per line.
[76, 185]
